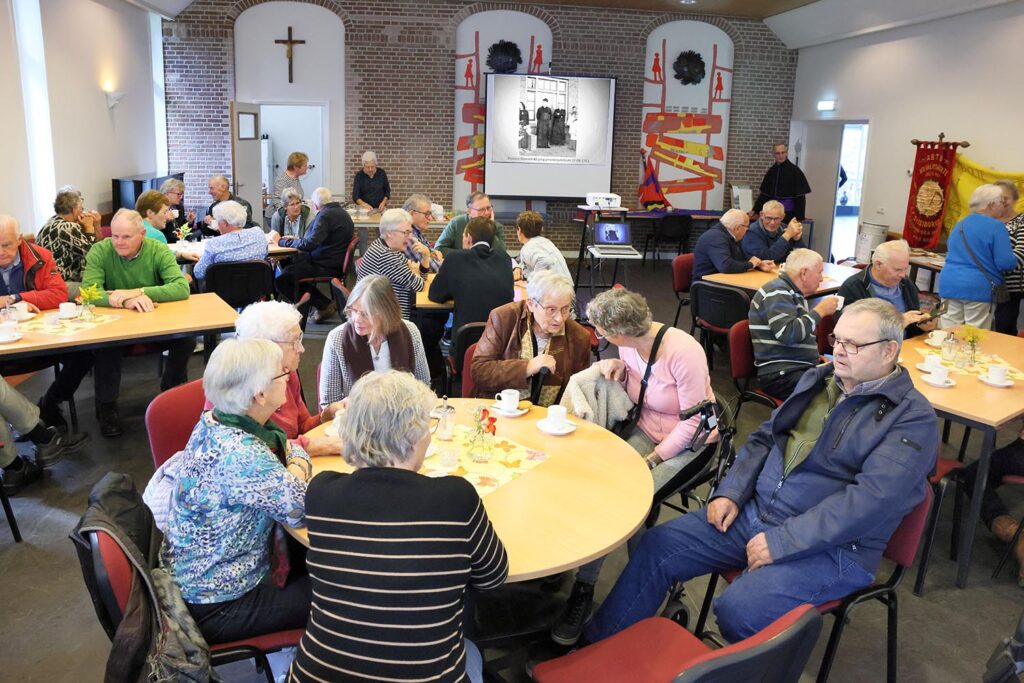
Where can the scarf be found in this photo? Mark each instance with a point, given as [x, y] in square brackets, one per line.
[356, 350]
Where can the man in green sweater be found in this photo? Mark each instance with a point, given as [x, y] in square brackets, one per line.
[137, 273]
[478, 205]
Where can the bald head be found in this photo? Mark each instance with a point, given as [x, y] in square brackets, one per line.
[127, 232]
[10, 240]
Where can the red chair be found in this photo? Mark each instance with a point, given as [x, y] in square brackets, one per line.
[455, 364]
[468, 385]
[901, 549]
[741, 362]
[946, 470]
[658, 650]
[822, 331]
[171, 417]
[114, 573]
[716, 308]
[682, 276]
[326, 279]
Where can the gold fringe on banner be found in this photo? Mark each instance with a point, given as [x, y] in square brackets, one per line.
[968, 175]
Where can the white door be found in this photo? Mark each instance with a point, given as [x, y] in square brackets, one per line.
[298, 128]
[245, 156]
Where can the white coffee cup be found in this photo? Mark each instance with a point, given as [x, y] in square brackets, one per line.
[839, 302]
[997, 373]
[68, 309]
[21, 309]
[937, 336]
[508, 400]
[175, 213]
[9, 330]
[933, 360]
[939, 374]
[557, 416]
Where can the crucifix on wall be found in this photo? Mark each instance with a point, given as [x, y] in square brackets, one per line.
[288, 49]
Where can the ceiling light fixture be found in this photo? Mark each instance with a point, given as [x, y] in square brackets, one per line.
[826, 105]
[687, 2]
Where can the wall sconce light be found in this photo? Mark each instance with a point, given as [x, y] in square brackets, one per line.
[826, 105]
[114, 98]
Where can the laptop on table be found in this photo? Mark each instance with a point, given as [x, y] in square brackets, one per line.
[613, 240]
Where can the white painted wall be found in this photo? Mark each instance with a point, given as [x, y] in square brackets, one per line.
[261, 71]
[15, 188]
[959, 76]
[91, 45]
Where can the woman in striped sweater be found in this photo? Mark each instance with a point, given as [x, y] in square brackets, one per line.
[391, 551]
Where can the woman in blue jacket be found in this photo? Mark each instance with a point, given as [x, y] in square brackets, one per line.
[979, 253]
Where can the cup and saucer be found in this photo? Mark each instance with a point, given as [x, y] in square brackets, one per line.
[996, 377]
[500, 410]
[935, 338]
[556, 423]
[938, 376]
[506, 404]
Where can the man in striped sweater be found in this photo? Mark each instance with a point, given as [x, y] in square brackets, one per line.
[782, 323]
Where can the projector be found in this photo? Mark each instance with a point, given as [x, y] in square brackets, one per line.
[605, 200]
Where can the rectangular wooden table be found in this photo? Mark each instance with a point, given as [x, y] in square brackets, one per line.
[977, 405]
[753, 280]
[424, 303]
[933, 263]
[273, 250]
[199, 314]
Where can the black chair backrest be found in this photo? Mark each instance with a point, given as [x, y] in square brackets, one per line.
[463, 337]
[771, 656]
[675, 227]
[718, 305]
[240, 283]
[710, 463]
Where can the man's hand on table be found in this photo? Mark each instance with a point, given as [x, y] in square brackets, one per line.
[324, 446]
[766, 266]
[273, 237]
[141, 303]
[118, 297]
[758, 554]
[721, 513]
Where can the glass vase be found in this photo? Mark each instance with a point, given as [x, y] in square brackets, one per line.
[481, 446]
[88, 312]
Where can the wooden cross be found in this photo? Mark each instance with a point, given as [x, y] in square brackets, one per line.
[288, 49]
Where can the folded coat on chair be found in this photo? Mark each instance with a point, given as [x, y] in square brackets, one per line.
[591, 397]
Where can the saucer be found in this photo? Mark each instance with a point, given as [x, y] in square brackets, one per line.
[11, 340]
[933, 344]
[926, 369]
[927, 379]
[28, 316]
[68, 316]
[508, 413]
[1001, 385]
[546, 427]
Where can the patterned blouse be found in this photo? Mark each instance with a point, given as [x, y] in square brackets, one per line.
[1015, 226]
[230, 490]
[69, 244]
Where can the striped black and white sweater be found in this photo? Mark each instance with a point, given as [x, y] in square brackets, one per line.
[380, 259]
[782, 327]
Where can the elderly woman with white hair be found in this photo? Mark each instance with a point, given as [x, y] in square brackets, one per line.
[386, 256]
[979, 253]
[533, 345]
[234, 243]
[69, 234]
[370, 188]
[237, 476]
[374, 339]
[415, 543]
[292, 218]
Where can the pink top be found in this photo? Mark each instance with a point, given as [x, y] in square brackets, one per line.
[293, 417]
[679, 380]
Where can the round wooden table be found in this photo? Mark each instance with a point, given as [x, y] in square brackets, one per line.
[589, 497]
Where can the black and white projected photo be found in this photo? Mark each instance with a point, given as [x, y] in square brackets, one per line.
[547, 119]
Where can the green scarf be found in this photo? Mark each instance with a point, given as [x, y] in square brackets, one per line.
[268, 433]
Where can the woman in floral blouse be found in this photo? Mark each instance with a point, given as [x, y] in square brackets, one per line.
[69, 234]
[232, 487]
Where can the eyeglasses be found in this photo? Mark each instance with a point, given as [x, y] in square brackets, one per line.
[480, 209]
[283, 374]
[425, 213]
[555, 310]
[295, 343]
[851, 348]
[771, 219]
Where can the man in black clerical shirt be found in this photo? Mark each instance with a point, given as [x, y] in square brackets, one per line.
[543, 124]
[786, 183]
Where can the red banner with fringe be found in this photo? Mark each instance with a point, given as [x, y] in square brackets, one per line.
[926, 206]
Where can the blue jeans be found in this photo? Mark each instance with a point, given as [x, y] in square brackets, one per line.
[474, 662]
[688, 546]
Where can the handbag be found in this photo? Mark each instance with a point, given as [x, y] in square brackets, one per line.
[1000, 292]
[623, 427]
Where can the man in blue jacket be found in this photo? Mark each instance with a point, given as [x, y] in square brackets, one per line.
[718, 250]
[766, 239]
[813, 498]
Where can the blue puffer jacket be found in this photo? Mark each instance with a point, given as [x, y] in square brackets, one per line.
[991, 244]
[865, 473]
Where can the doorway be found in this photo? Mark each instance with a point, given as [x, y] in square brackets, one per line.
[291, 128]
[846, 212]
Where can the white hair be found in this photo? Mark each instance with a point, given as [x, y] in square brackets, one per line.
[369, 156]
[549, 282]
[238, 370]
[231, 212]
[886, 250]
[985, 196]
[273, 320]
[733, 218]
[320, 196]
[393, 219]
[388, 414]
[415, 200]
[799, 259]
[772, 204]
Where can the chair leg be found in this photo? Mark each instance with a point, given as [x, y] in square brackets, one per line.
[929, 535]
[963, 444]
[679, 309]
[705, 608]
[9, 512]
[1009, 549]
[958, 511]
[946, 424]
[832, 647]
[262, 661]
[892, 639]
[73, 413]
[643, 259]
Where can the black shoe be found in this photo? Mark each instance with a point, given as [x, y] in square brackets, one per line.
[51, 415]
[109, 418]
[49, 454]
[569, 627]
[16, 480]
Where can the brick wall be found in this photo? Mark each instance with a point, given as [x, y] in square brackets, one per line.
[399, 100]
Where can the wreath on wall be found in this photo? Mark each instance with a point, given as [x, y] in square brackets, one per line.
[504, 57]
[689, 67]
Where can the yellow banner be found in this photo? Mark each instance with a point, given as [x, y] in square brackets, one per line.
[968, 175]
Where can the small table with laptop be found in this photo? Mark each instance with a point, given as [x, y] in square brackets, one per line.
[611, 241]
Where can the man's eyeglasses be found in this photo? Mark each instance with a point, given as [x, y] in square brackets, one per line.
[850, 347]
[296, 343]
[771, 219]
[425, 213]
[283, 374]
